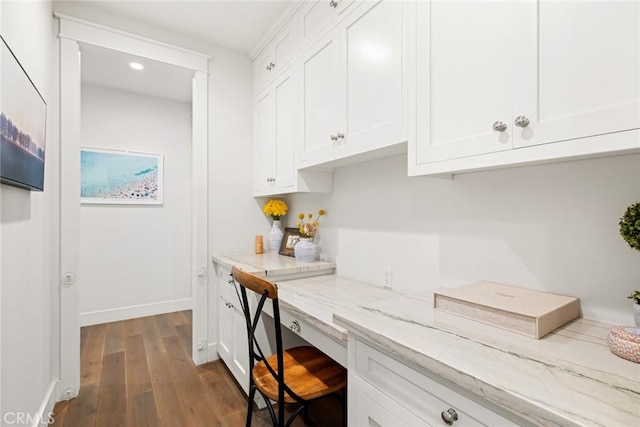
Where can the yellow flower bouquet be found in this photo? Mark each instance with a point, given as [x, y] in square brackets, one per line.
[311, 226]
[275, 208]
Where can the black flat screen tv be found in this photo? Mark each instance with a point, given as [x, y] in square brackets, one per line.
[23, 118]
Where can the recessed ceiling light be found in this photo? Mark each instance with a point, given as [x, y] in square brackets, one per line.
[136, 66]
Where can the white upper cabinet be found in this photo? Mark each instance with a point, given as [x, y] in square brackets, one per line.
[322, 96]
[318, 16]
[353, 85]
[375, 75]
[506, 83]
[274, 150]
[465, 73]
[275, 58]
[264, 141]
[578, 70]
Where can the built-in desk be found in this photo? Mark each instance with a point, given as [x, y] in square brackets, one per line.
[312, 302]
[400, 351]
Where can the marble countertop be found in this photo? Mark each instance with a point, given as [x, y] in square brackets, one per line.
[568, 377]
[317, 299]
[272, 264]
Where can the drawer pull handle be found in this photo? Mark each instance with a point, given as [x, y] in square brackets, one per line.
[449, 416]
[295, 326]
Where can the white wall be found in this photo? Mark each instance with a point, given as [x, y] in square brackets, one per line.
[28, 232]
[234, 216]
[550, 227]
[136, 260]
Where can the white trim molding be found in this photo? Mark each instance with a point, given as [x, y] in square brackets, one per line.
[134, 311]
[72, 33]
[98, 35]
[45, 412]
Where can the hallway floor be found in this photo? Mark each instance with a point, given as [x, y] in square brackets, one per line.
[139, 373]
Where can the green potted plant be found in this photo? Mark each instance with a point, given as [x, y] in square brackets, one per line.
[630, 232]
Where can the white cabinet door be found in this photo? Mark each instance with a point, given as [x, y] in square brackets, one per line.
[232, 345]
[319, 15]
[322, 96]
[284, 120]
[225, 331]
[274, 150]
[240, 351]
[578, 71]
[465, 72]
[547, 72]
[264, 141]
[375, 83]
[354, 85]
[275, 59]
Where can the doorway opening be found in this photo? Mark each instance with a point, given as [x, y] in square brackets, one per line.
[126, 261]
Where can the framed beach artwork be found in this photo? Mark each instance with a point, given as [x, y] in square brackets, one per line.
[120, 177]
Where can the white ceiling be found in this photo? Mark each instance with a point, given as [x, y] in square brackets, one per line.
[235, 24]
[105, 67]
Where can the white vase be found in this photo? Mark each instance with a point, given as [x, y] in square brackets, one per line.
[305, 250]
[636, 314]
[275, 236]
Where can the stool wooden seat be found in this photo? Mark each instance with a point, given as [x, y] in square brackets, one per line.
[309, 373]
[300, 375]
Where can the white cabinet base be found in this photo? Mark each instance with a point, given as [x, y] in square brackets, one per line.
[384, 391]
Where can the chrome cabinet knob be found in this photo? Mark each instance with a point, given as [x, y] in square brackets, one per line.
[295, 326]
[499, 126]
[333, 4]
[340, 135]
[334, 138]
[449, 416]
[521, 122]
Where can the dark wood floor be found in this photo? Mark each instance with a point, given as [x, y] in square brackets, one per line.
[139, 373]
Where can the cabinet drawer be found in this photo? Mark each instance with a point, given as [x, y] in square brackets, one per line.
[374, 409]
[332, 348]
[420, 394]
[226, 287]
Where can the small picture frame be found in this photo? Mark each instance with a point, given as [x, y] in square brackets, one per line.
[289, 239]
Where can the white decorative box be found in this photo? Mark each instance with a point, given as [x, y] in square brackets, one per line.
[524, 311]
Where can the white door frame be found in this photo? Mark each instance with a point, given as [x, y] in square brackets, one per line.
[73, 32]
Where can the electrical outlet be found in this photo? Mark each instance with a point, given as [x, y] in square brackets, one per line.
[386, 277]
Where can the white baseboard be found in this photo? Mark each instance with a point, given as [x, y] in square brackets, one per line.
[212, 352]
[46, 408]
[134, 311]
